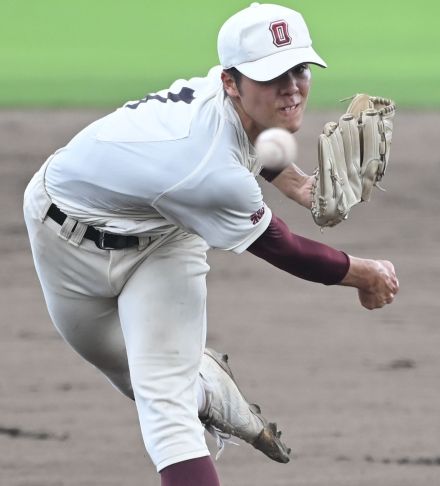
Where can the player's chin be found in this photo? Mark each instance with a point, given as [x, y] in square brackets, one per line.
[291, 126]
[291, 121]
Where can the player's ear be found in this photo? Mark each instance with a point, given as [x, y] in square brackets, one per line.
[229, 85]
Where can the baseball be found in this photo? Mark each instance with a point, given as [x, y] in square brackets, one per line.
[276, 149]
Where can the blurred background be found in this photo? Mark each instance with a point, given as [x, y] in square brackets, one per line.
[101, 53]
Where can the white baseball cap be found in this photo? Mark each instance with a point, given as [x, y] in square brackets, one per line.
[265, 40]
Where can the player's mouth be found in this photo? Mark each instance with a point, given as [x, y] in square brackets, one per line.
[290, 109]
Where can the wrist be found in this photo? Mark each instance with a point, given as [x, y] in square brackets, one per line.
[360, 273]
[296, 185]
[306, 193]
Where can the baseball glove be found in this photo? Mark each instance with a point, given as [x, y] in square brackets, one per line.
[353, 156]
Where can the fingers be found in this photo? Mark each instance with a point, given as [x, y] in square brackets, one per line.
[372, 302]
[376, 300]
[375, 303]
[391, 280]
[389, 299]
[395, 285]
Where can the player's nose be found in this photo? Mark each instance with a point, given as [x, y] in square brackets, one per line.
[288, 83]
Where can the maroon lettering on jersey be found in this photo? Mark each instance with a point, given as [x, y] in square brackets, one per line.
[280, 33]
[257, 216]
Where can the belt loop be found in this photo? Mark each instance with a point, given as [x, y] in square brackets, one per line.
[144, 241]
[78, 234]
[45, 209]
[67, 228]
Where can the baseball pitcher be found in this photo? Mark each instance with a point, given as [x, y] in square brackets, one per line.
[121, 218]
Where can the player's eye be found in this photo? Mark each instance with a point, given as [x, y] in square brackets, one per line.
[298, 70]
[301, 68]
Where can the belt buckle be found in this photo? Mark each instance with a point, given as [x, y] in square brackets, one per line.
[101, 243]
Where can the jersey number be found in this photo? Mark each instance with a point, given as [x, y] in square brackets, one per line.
[185, 95]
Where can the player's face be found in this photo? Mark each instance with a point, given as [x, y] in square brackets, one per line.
[279, 102]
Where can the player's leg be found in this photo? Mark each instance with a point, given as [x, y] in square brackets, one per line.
[162, 309]
[91, 327]
[77, 293]
[194, 472]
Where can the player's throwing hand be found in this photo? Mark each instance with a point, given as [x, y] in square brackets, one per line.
[375, 280]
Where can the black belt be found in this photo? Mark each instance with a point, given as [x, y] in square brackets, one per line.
[104, 241]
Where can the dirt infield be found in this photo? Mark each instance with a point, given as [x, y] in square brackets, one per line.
[355, 392]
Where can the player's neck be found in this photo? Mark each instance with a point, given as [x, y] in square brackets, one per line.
[251, 128]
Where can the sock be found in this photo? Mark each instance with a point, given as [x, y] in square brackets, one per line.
[194, 472]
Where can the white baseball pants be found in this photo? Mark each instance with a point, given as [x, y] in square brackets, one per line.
[138, 315]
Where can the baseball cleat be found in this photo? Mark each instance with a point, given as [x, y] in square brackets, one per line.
[228, 413]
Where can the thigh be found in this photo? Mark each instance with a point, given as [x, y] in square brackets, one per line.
[163, 314]
[79, 300]
[92, 328]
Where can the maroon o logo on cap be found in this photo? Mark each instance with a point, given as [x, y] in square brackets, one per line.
[280, 33]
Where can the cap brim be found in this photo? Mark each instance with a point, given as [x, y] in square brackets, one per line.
[271, 67]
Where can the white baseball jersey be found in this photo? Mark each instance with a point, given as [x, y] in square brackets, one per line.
[178, 157]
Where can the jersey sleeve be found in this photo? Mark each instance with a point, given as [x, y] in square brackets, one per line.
[225, 208]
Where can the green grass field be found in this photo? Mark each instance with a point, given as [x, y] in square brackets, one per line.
[104, 52]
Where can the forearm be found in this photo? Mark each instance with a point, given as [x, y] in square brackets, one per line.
[375, 280]
[360, 273]
[299, 256]
[293, 183]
